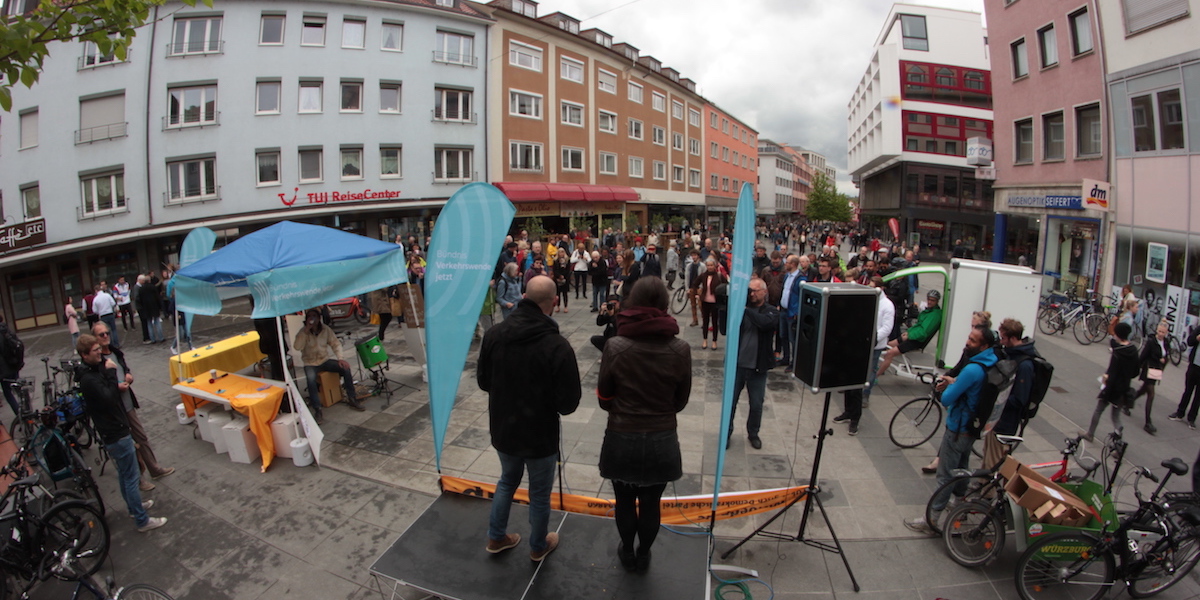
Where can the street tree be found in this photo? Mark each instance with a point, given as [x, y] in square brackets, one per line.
[27, 37]
[826, 204]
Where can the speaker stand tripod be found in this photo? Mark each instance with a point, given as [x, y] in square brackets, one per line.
[812, 494]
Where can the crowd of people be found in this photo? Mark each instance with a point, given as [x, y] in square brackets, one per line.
[151, 297]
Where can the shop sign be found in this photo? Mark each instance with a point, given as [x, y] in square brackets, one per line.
[1095, 194]
[537, 209]
[931, 225]
[979, 152]
[589, 209]
[1067, 202]
[23, 235]
[1156, 262]
[333, 197]
[1174, 311]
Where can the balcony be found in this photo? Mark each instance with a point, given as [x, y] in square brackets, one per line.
[455, 177]
[190, 196]
[452, 58]
[196, 48]
[91, 61]
[448, 115]
[189, 120]
[101, 132]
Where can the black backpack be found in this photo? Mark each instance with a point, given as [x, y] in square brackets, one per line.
[12, 349]
[1043, 373]
[997, 378]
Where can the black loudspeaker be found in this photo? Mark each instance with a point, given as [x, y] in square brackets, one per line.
[835, 335]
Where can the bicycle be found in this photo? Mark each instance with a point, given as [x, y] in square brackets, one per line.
[57, 453]
[917, 420]
[1175, 349]
[679, 299]
[1156, 547]
[24, 423]
[1071, 315]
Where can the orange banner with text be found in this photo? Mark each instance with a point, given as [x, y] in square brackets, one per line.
[680, 510]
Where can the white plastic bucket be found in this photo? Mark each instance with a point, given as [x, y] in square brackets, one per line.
[301, 452]
[181, 413]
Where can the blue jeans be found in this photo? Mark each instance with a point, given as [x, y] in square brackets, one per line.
[111, 320]
[756, 389]
[156, 331]
[125, 455]
[331, 366]
[541, 484]
[954, 453]
[788, 326]
[875, 356]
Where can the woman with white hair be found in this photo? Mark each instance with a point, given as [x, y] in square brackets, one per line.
[508, 289]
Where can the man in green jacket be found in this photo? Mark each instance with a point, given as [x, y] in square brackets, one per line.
[917, 336]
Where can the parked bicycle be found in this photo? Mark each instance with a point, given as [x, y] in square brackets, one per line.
[57, 453]
[679, 299]
[24, 423]
[1074, 315]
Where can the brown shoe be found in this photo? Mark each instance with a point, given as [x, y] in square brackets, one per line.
[510, 541]
[551, 544]
[163, 473]
[145, 485]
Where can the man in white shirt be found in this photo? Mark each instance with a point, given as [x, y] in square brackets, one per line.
[121, 290]
[106, 307]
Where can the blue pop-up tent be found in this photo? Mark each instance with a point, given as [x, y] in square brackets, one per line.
[289, 267]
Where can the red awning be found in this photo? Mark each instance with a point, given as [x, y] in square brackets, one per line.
[565, 192]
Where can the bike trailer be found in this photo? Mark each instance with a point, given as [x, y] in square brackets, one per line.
[1092, 493]
[52, 453]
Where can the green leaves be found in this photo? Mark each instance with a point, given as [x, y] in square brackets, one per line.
[825, 203]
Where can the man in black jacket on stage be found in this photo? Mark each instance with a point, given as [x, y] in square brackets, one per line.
[755, 356]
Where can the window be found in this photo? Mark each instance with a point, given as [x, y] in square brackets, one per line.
[735, 157]
[93, 58]
[268, 168]
[724, 184]
[660, 170]
[714, 182]
[1141, 15]
[572, 159]
[946, 84]
[677, 141]
[528, 9]
[1081, 32]
[571, 69]
[658, 102]
[312, 32]
[389, 98]
[1048, 46]
[677, 173]
[572, 114]
[635, 129]
[712, 120]
[635, 92]
[1088, 135]
[677, 109]
[525, 56]
[103, 194]
[270, 30]
[693, 117]
[1024, 139]
[636, 167]
[525, 156]
[101, 119]
[946, 77]
[950, 147]
[351, 96]
[694, 178]
[455, 48]
[191, 180]
[391, 37]
[523, 104]
[659, 135]
[1020, 62]
[1053, 140]
[608, 121]
[192, 106]
[452, 105]
[351, 165]
[310, 97]
[1157, 121]
[608, 163]
[389, 162]
[451, 164]
[196, 36]
[931, 146]
[31, 199]
[446, 3]
[714, 150]
[354, 33]
[725, 153]
[607, 81]
[694, 146]
[311, 165]
[912, 29]
[267, 98]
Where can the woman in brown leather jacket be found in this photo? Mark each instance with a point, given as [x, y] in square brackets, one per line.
[645, 379]
[706, 291]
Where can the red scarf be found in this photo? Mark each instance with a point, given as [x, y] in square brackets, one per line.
[645, 321]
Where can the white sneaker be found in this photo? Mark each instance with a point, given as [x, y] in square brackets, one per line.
[153, 523]
[919, 525]
[147, 504]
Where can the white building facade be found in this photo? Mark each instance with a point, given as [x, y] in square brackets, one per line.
[776, 177]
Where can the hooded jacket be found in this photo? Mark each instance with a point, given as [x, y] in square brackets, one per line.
[1123, 366]
[102, 400]
[530, 374]
[962, 395]
[645, 372]
[1018, 395]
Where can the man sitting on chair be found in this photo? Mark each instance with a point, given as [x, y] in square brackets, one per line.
[322, 352]
[917, 336]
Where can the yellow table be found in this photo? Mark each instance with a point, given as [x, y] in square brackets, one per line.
[231, 354]
[256, 398]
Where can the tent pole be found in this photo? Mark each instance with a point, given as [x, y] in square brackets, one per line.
[287, 373]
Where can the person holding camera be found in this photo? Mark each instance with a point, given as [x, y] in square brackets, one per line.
[322, 352]
[608, 319]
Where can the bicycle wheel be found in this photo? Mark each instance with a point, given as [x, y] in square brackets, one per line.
[1097, 327]
[974, 533]
[83, 433]
[972, 491]
[1080, 329]
[1052, 324]
[82, 474]
[915, 422]
[22, 430]
[362, 315]
[141, 591]
[1068, 565]
[679, 300]
[1166, 565]
[76, 527]
[1175, 351]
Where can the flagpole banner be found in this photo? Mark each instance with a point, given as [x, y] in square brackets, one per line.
[680, 510]
[461, 258]
[739, 287]
[198, 244]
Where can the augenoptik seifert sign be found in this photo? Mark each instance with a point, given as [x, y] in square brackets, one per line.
[23, 235]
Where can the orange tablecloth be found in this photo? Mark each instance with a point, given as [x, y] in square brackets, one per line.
[245, 396]
[230, 354]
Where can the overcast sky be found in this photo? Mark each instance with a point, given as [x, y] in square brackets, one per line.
[785, 67]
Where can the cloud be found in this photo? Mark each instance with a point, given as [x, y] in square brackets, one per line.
[785, 67]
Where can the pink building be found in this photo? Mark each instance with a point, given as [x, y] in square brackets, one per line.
[1050, 140]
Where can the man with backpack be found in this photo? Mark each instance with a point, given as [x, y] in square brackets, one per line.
[960, 400]
[12, 360]
[1030, 382]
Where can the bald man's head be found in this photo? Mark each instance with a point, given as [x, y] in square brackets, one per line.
[541, 291]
